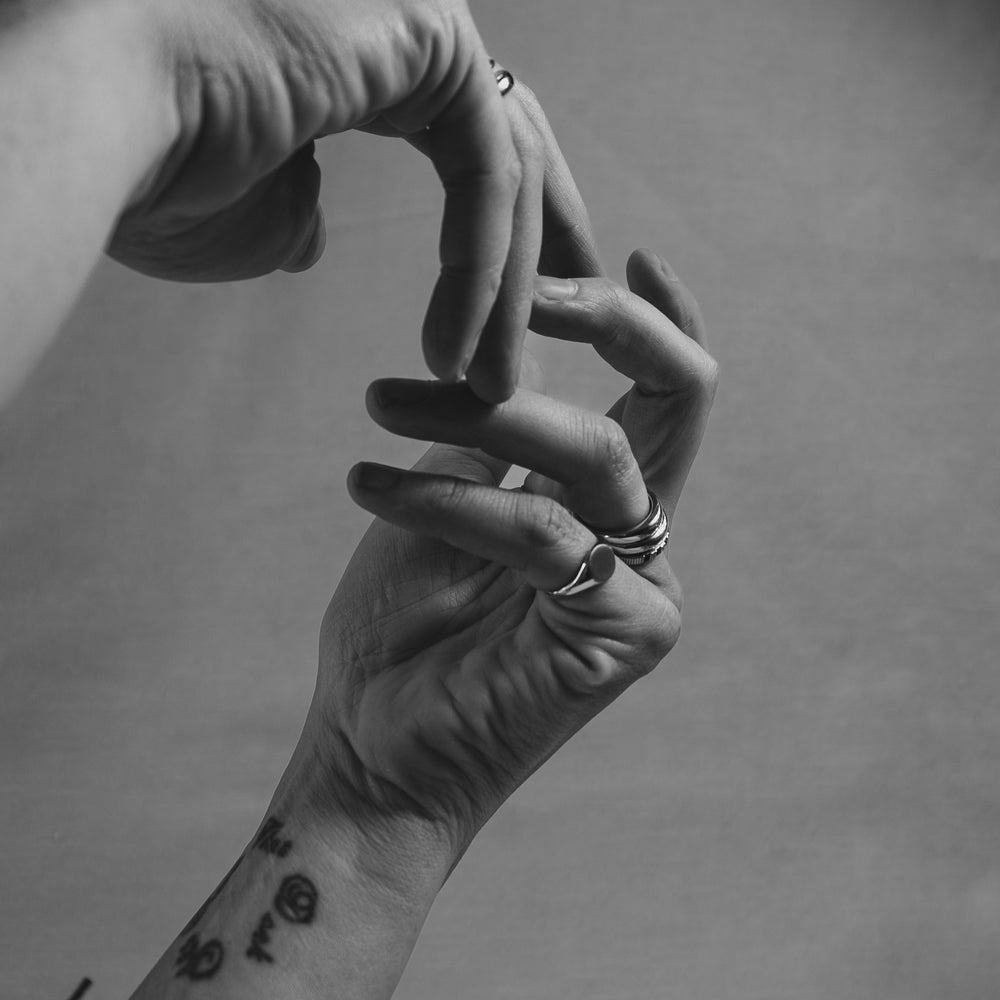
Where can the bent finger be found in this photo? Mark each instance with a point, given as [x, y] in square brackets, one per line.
[665, 414]
[473, 153]
[588, 454]
[629, 332]
[493, 370]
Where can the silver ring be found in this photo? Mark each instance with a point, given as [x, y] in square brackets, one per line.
[638, 545]
[504, 78]
[597, 567]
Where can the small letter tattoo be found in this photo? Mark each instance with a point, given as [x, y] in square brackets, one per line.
[269, 841]
[261, 937]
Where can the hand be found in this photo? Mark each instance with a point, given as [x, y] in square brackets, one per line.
[257, 82]
[447, 675]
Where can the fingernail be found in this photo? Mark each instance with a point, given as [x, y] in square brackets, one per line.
[401, 393]
[668, 271]
[371, 476]
[555, 289]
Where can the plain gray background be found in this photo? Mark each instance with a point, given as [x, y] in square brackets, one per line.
[804, 801]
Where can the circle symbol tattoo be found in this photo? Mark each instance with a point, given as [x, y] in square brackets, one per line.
[296, 900]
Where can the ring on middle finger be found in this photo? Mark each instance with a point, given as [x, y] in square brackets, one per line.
[637, 545]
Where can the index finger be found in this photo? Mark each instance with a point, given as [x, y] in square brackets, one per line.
[472, 150]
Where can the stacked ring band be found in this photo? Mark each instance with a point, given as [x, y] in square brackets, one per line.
[638, 545]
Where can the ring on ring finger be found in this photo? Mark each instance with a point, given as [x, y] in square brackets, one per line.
[637, 545]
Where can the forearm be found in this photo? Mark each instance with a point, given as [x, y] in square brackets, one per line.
[313, 908]
[85, 114]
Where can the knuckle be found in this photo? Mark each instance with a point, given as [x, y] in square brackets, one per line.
[665, 633]
[545, 524]
[531, 151]
[511, 172]
[452, 495]
[693, 380]
[608, 308]
[705, 376]
[490, 275]
[612, 449]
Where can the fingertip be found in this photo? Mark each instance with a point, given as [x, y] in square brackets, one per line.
[491, 387]
[646, 262]
[451, 329]
[494, 372]
[532, 374]
[311, 249]
[368, 477]
[653, 279]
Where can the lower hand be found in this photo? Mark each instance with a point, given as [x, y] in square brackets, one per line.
[447, 673]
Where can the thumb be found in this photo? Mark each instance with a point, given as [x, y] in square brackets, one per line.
[276, 224]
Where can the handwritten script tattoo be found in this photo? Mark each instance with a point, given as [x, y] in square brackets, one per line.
[269, 841]
[199, 961]
[261, 937]
[190, 925]
[295, 902]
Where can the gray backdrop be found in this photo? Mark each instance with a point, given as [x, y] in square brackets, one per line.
[803, 801]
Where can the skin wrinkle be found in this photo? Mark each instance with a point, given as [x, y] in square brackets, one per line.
[468, 736]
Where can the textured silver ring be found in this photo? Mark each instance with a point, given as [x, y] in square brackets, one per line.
[636, 546]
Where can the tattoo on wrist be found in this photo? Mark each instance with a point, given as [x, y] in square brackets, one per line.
[199, 961]
[296, 903]
[296, 900]
[85, 985]
[268, 840]
[261, 937]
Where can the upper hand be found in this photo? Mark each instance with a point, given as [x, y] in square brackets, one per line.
[257, 82]
[447, 674]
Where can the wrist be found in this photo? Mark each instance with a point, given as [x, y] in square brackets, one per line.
[319, 903]
[144, 81]
[107, 58]
[396, 852]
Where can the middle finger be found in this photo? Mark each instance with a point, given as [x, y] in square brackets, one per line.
[588, 454]
[665, 413]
